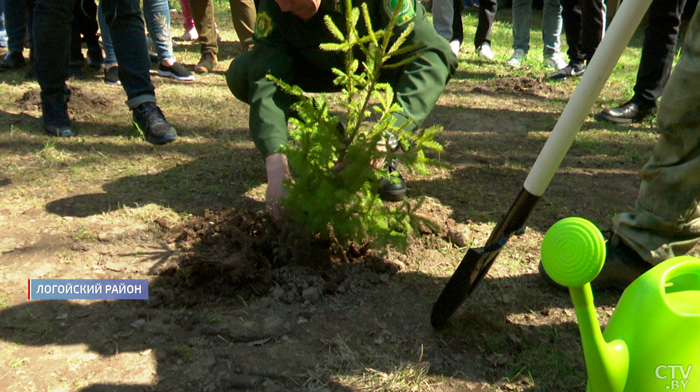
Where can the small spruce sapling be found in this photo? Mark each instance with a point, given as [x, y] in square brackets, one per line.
[343, 205]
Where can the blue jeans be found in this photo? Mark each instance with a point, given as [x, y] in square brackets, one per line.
[52, 30]
[551, 25]
[157, 15]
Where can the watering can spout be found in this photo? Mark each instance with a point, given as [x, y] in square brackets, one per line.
[607, 362]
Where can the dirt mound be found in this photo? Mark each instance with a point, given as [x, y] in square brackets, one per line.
[80, 101]
[242, 253]
[526, 85]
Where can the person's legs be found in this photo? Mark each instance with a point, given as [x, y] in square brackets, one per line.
[666, 219]
[203, 16]
[187, 23]
[89, 27]
[16, 28]
[110, 59]
[522, 18]
[571, 14]
[126, 29]
[86, 14]
[15, 25]
[76, 53]
[487, 14]
[457, 27]
[551, 27]
[443, 12]
[157, 16]
[593, 22]
[658, 50]
[52, 29]
[29, 11]
[243, 15]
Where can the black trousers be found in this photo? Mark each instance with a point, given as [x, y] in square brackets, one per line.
[457, 27]
[487, 14]
[584, 24]
[658, 50]
[84, 24]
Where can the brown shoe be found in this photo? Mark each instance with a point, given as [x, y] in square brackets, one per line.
[622, 266]
[207, 63]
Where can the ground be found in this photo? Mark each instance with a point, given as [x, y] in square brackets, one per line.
[239, 304]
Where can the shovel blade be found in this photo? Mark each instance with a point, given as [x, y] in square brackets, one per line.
[476, 263]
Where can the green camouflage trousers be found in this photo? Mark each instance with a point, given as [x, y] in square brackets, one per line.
[666, 219]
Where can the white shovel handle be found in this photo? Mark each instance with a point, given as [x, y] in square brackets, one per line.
[623, 26]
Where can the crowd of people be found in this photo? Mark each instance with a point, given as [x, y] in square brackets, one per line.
[282, 37]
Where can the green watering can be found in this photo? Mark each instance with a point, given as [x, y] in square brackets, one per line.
[652, 341]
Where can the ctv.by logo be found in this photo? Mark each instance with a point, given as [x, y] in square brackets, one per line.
[676, 375]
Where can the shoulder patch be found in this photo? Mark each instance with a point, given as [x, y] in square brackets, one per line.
[405, 14]
[263, 25]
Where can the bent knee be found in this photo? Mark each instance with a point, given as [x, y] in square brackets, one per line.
[237, 78]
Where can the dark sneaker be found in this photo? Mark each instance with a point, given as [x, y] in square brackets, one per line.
[622, 266]
[393, 188]
[55, 119]
[573, 69]
[627, 113]
[206, 64]
[176, 71]
[149, 119]
[95, 60]
[12, 60]
[112, 75]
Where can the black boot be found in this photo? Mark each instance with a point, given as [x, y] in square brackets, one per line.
[394, 187]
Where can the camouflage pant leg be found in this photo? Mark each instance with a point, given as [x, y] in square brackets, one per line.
[666, 219]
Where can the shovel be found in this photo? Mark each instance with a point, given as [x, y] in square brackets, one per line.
[477, 261]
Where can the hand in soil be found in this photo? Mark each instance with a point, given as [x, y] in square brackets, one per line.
[277, 171]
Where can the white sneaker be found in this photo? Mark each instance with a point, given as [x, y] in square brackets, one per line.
[485, 51]
[455, 46]
[555, 61]
[189, 35]
[516, 60]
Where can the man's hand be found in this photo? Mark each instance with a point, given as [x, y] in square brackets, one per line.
[277, 171]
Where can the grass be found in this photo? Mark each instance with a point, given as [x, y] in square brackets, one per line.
[359, 366]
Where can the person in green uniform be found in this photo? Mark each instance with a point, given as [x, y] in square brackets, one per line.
[287, 38]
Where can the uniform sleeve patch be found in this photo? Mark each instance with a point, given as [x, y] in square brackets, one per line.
[405, 15]
[263, 25]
